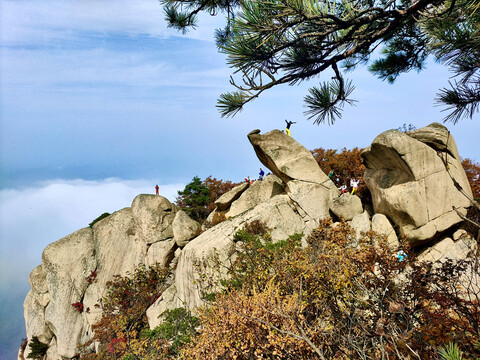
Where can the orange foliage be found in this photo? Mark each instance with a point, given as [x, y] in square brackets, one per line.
[217, 188]
[124, 316]
[472, 170]
[346, 165]
[334, 301]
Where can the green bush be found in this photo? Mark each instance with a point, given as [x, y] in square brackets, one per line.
[37, 349]
[103, 216]
[179, 327]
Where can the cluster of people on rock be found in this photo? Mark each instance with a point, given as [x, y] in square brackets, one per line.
[261, 174]
[342, 185]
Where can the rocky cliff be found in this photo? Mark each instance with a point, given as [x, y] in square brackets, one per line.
[419, 193]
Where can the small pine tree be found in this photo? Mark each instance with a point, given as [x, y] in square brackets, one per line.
[37, 348]
[194, 199]
[103, 216]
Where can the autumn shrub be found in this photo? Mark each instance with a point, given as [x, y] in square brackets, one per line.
[78, 306]
[91, 278]
[256, 227]
[124, 317]
[472, 169]
[217, 218]
[217, 188]
[337, 299]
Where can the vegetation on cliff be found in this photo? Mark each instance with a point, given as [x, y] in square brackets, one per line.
[336, 298]
[198, 197]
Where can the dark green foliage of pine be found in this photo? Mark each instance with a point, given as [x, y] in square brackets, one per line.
[194, 199]
[103, 216]
[179, 327]
[37, 348]
[275, 42]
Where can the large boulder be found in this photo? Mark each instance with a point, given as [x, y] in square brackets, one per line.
[224, 201]
[161, 253]
[286, 158]
[184, 228]
[305, 183]
[257, 193]
[153, 216]
[346, 206]
[361, 224]
[382, 226]
[412, 178]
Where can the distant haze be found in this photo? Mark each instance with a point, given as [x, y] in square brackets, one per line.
[33, 217]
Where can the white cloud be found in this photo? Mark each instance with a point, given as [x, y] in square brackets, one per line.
[40, 22]
[33, 217]
[86, 69]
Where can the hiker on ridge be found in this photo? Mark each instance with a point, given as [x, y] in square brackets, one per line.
[354, 184]
[156, 189]
[287, 130]
[261, 173]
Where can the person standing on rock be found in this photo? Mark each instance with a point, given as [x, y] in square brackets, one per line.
[287, 130]
[156, 189]
[261, 173]
[354, 184]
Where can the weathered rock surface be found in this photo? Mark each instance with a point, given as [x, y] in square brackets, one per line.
[306, 184]
[118, 249]
[254, 195]
[66, 263]
[382, 226]
[184, 228]
[447, 248]
[411, 183]
[167, 301]
[346, 206]
[278, 213]
[153, 216]
[224, 201]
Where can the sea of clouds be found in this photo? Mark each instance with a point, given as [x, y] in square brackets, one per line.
[35, 216]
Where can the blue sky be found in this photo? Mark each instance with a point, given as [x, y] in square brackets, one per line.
[99, 102]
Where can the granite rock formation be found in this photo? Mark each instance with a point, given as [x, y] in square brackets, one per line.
[415, 179]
